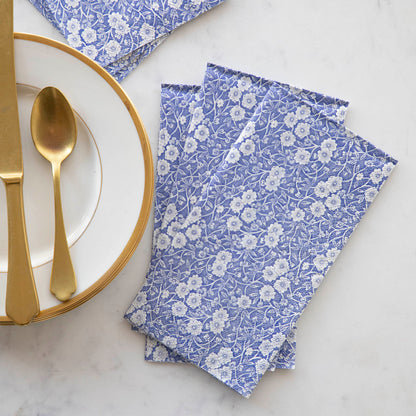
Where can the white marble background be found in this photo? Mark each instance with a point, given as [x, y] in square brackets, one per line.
[356, 344]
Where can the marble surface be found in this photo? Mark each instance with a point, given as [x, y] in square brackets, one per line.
[356, 348]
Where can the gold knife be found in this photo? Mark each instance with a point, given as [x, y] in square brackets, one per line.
[22, 303]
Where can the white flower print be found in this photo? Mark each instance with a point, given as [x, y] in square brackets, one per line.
[112, 48]
[249, 100]
[273, 124]
[318, 209]
[321, 190]
[223, 373]
[219, 268]
[216, 326]
[243, 302]
[387, 169]
[212, 361]
[72, 3]
[194, 327]
[302, 130]
[234, 223]
[164, 137]
[114, 18]
[272, 183]
[223, 256]
[193, 232]
[73, 25]
[282, 266]
[290, 120]
[220, 103]
[303, 112]
[324, 156]
[248, 215]
[171, 153]
[332, 254]
[160, 353]
[175, 4]
[237, 204]
[179, 240]
[298, 214]
[278, 339]
[329, 144]
[170, 212]
[182, 290]
[270, 273]
[190, 145]
[89, 35]
[370, 194]
[278, 172]
[140, 317]
[249, 241]
[162, 167]
[262, 366]
[320, 262]
[302, 157]
[194, 300]
[173, 228]
[202, 132]
[249, 129]
[170, 342]
[237, 113]
[198, 116]
[287, 138]
[225, 355]
[266, 347]
[340, 114]
[194, 282]
[140, 300]
[122, 28]
[90, 51]
[376, 176]
[316, 280]
[247, 147]
[195, 215]
[267, 293]
[333, 202]
[248, 196]
[234, 94]
[271, 240]
[74, 40]
[334, 184]
[233, 156]
[147, 32]
[282, 284]
[244, 83]
[275, 229]
[179, 309]
[163, 241]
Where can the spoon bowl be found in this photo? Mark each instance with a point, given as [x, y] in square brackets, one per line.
[54, 133]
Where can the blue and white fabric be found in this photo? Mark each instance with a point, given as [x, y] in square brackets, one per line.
[219, 91]
[119, 34]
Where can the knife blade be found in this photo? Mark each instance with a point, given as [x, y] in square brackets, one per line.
[22, 303]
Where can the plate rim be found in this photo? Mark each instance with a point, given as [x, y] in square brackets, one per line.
[146, 206]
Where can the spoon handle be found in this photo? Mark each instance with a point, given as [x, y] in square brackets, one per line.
[63, 281]
[22, 303]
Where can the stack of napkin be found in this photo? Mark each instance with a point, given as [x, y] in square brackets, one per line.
[119, 34]
[259, 186]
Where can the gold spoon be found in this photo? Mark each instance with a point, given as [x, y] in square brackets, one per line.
[54, 133]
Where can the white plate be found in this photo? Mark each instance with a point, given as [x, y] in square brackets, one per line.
[107, 181]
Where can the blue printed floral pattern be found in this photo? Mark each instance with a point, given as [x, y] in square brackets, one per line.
[224, 89]
[118, 34]
[248, 257]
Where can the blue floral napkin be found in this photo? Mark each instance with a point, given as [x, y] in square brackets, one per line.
[247, 258]
[119, 34]
[220, 91]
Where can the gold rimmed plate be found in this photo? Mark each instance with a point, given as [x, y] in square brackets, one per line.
[107, 183]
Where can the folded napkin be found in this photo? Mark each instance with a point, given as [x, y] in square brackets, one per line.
[248, 257]
[117, 34]
[223, 92]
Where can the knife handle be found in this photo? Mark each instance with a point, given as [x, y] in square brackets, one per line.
[22, 303]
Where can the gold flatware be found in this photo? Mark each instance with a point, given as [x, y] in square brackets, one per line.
[54, 133]
[22, 303]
